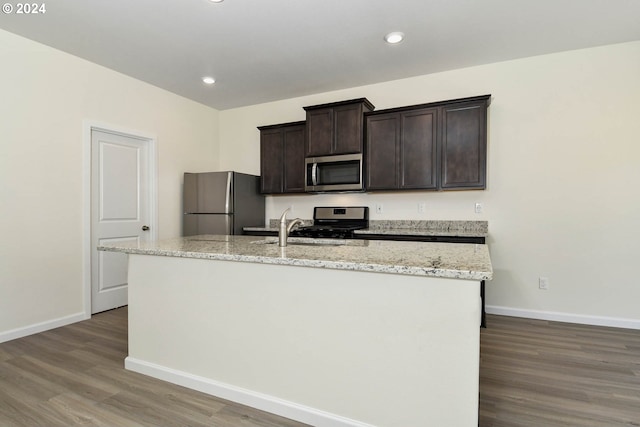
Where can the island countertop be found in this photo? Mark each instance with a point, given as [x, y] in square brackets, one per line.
[447, 260]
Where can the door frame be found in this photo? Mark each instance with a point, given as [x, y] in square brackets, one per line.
[87, 127]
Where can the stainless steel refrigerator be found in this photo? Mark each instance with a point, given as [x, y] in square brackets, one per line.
[221, 203]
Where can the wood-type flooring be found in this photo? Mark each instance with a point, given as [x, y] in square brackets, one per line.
[532, 373]
[75, 376]
[535, 373]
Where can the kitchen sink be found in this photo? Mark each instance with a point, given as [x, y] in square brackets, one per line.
[301, 241]
[313, 244]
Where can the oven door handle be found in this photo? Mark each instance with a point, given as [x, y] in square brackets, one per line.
[314, 174]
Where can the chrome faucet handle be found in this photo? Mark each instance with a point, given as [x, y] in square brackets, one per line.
[292, 224]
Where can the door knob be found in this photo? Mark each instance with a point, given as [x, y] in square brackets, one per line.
[145, 228]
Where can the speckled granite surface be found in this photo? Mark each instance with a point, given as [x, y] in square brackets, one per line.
[450, 260]
[428, 228]
[409, 228]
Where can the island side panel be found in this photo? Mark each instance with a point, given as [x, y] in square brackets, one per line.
[383, 349]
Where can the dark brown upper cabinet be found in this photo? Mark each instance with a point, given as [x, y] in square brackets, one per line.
[282, 158]
[464, 145]
[436, 146]
[336, 128]
[401, 150]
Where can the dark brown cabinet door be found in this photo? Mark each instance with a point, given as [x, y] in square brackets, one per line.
[294, 159]
[319, 132]
[348, 122]
[383, 134]
[271, 161]
[418, 145]
[336, 128]
[282, 158]
[464, 146]
[401, 150]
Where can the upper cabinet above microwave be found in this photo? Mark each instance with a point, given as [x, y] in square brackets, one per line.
[336, 128]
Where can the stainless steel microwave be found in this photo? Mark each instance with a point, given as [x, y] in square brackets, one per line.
[334, 173]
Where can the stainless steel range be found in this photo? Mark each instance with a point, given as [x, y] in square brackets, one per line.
[335, 222]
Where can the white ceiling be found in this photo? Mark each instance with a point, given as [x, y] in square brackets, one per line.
[266, 50]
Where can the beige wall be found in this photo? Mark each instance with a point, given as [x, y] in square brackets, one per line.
[562, 198]
[45, 95]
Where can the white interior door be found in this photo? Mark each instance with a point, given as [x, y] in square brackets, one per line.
[120, 211]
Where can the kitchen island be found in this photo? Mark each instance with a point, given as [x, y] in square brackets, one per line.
[330, 333]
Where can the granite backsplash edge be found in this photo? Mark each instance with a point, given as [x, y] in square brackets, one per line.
[481, 227]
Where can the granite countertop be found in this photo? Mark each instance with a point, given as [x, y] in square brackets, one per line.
[409, 228]
[449, 260]
[428, 228]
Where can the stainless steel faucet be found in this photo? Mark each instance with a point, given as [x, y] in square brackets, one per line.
[285, 229]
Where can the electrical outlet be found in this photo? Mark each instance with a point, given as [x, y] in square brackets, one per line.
[422, 207]
[379, 208]
[543, 283]
[478, 208]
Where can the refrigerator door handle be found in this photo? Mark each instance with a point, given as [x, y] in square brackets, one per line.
[227, 201]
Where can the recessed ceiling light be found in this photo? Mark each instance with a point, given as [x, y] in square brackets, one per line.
[208, 80]
[216, 1]
[394, 38]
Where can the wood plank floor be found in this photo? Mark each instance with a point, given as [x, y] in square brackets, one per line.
[539, 373]
[532, 373]
[74, 376]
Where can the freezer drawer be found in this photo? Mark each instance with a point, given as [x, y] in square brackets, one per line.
[195, 224]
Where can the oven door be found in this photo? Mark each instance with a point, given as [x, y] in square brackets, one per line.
[334, 173]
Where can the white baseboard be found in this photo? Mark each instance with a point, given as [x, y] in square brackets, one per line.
[274, 405]
[614, 322]
[41, 327]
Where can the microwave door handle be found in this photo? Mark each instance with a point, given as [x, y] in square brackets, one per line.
[314, 174]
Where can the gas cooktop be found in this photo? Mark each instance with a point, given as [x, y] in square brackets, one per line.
[335, 222]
